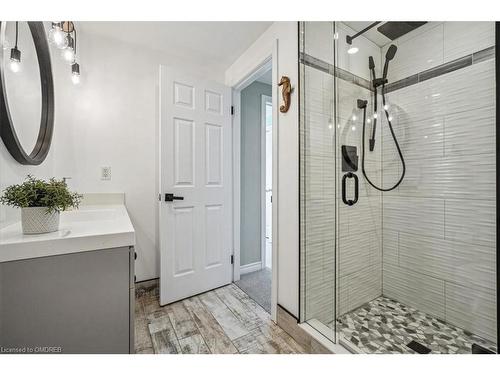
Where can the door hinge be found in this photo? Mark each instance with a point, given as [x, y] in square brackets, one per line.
[232, 109]
[232, 259]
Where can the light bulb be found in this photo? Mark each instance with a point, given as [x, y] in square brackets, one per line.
[354, 118]
[390, 118]
[15, 59]
[368, 120]
[352, 50]
[375, 115]
[69, 55]
[15, 66]
[386, 107]
[57, 37]
[75, 73]
[353, 128]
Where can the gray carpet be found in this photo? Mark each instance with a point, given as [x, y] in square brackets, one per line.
[258, 286]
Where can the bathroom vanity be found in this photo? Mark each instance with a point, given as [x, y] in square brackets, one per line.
[71, 291]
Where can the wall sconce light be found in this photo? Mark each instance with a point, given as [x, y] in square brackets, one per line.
[63, 36]
[56, 36]
[15, 54]
[68, 53]
[75, 73]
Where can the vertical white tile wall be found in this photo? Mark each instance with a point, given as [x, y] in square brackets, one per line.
[439, 225]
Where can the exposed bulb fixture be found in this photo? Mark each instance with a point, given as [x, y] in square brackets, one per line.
[75, 73]
[352, 50]
[375, 115]
[354, 118]
[386, 107]
[368, 120]
[57, 36]
[353, 128]
[15, 54]
[63, 36]
[68, 53]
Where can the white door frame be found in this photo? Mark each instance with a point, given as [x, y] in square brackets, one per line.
[270, 61]
[263, 176]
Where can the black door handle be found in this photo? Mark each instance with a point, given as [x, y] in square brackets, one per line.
[169, 197]
[350, 202]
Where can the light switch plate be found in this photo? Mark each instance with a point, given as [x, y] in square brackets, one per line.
[106, 173]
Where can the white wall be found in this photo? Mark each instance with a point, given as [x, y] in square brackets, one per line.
[287, 242]
[110, 119]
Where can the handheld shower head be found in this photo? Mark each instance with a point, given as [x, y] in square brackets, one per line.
[391, 52]
[371, 63]
[389, 55]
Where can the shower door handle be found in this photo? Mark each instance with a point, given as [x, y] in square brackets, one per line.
[350, 202]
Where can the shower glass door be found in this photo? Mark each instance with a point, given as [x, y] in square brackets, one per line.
[398, 185]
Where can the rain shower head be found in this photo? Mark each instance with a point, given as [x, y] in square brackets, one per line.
[395, 29]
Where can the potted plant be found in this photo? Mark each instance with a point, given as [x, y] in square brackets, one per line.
[40, 202]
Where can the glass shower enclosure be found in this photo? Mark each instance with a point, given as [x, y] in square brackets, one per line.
[398, 185]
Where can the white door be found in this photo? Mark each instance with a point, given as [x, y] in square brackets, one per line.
[195, 165]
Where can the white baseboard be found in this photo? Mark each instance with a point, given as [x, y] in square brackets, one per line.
[251, 267]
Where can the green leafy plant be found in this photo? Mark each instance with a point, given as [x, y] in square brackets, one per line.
[53, 194]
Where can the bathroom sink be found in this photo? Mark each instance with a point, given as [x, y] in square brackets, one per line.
[86, 229]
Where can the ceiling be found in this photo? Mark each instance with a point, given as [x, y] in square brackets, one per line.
[214, 43]
[378, 38]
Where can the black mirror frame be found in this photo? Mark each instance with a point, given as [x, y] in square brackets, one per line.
[7, 130]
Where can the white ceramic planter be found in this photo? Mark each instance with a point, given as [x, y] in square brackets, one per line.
[36, 220]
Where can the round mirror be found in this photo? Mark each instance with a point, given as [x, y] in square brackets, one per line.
[26, 95]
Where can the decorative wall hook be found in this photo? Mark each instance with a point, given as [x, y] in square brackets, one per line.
[285, 92]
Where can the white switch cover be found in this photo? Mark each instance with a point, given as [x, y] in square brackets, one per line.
[106, 173]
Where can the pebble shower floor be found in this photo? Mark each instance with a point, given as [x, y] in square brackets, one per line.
[387, 326]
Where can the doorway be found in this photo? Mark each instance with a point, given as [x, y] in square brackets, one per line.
[256, 110]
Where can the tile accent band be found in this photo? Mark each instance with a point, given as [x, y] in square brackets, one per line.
[462, 62]
[328, 68]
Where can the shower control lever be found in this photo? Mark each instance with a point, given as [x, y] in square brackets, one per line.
[350, 202]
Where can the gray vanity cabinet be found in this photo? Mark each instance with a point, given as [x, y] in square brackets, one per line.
[73, 303]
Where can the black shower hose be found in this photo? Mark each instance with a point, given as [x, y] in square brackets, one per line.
[395, 141]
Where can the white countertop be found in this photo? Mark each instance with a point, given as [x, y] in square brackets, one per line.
[86, 229]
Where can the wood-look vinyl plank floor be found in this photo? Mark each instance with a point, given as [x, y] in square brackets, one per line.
[222, 321]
